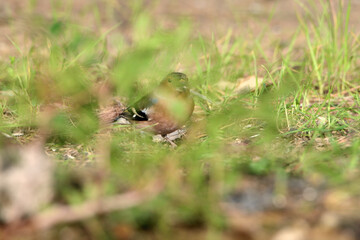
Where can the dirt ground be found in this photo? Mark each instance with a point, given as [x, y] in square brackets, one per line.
[209, 17]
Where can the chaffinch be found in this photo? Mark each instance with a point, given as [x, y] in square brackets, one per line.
[164, 110]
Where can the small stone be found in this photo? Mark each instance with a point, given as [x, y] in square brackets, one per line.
[158, 138]
[122, 121]
[320, 121]
[310, 194]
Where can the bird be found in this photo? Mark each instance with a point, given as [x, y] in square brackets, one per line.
[166, 109]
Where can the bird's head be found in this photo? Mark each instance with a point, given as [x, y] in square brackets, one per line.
[178, 81]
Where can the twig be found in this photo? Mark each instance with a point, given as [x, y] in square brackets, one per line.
[351, 90]
[335, 101]
[66, 214]
[201, 96]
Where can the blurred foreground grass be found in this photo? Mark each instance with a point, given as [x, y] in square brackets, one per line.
[300, 118]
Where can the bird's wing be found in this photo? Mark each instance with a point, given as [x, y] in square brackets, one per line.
[139, 110]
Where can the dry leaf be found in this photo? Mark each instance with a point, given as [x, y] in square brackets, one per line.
[111, 113]
[248, 84]
[244, 85]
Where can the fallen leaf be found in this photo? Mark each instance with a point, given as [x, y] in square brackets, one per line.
[244, 85]
[249, 84]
